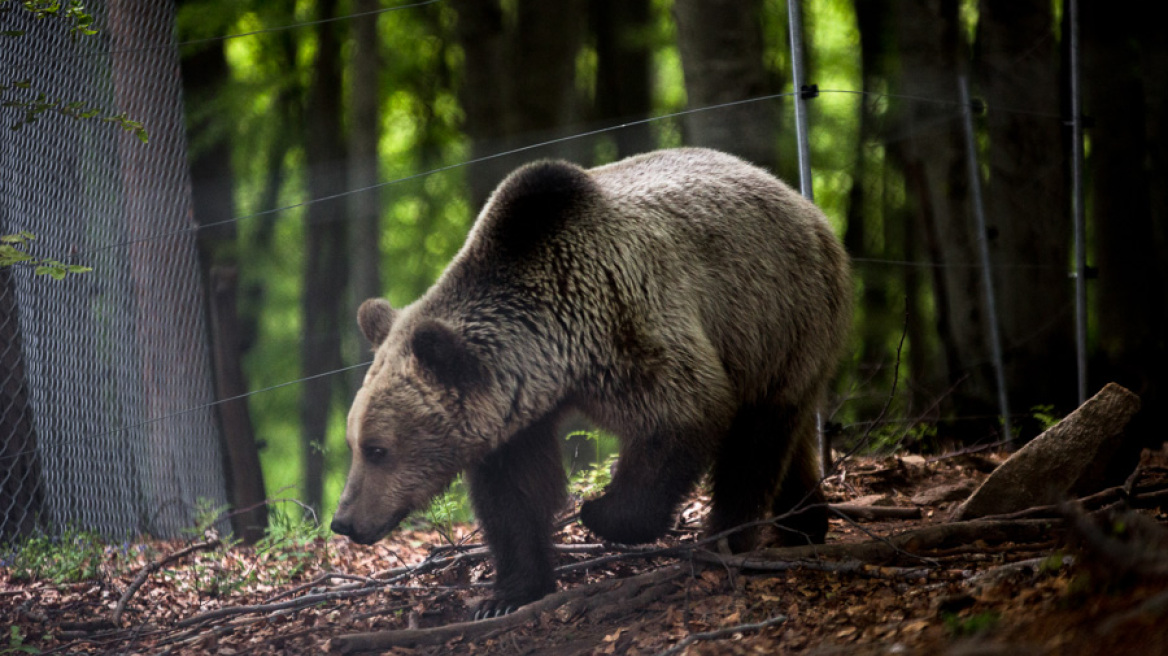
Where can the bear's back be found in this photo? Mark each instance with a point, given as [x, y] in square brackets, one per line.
[757, 263]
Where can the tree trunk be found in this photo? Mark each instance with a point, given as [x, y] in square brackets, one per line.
[1131, 302]
[364, 135]
[519, 82]
[325, 256]
[20, 475]
[1027, 202]
[623, 82]
[933, 160]
[721, 48]
[171, 328]
[205, 73]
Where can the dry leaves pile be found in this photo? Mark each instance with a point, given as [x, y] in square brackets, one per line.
[1076, 584]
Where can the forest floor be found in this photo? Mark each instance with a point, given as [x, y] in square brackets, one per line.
[1065, 581]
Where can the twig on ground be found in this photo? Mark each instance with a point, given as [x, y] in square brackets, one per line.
[154, 566]
[722, 633]
[855, 512]
[612, 594]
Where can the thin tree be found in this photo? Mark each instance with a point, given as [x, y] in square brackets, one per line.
[326, 243]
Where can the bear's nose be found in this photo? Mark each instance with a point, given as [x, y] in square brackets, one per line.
[341, 527]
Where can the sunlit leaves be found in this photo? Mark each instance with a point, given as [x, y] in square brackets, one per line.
[12, 252]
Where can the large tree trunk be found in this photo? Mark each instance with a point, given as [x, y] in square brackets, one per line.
[518, 82]
[722, 58]
[1131, 297]
[932, 158]
[1027, 201]
[325, 257]
[213, 201]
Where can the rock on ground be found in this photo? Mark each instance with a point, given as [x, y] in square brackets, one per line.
[1067, 460]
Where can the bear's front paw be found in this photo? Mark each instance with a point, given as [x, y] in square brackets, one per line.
[624, 523]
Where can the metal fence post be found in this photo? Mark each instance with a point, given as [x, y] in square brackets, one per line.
[984, 248]
[1080, 229]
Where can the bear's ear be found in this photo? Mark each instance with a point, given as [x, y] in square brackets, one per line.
[535, 201]
[375, 317]
[443, 352]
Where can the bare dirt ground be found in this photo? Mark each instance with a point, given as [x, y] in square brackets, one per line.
[1063, 581]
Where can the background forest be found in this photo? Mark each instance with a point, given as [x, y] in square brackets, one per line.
[340, 149]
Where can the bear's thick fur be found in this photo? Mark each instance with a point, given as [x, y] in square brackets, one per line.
[686, 301]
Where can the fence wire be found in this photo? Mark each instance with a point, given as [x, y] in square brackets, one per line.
[112, 348]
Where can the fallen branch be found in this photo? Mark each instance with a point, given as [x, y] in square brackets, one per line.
[611, 594]
[871, 513]
[152, 567]
[722, 633]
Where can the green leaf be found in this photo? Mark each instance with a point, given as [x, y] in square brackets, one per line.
[12, 33]
[56, 272]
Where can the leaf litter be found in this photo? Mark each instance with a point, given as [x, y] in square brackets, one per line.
[1072, 591]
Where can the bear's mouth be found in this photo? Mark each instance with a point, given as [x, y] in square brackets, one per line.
[383, 530]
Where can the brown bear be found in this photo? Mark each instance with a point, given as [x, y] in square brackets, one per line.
[687, 302]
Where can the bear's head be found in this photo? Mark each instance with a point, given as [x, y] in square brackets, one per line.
[415, 423]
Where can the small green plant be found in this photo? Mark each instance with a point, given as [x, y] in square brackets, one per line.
[450, 508]
[16, 643]
[591, 481]
[207, 513]
[294, 542]
[72, 557]
[894, 437]
[1045, 416]
[960, 627]
[1053, 563]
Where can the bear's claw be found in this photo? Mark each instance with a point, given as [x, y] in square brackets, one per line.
[493, 608]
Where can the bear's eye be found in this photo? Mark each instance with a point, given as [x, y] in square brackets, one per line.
[374, 454]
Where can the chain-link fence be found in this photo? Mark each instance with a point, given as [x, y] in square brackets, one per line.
[89, 364]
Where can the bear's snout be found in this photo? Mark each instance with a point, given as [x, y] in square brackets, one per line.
[342, 526]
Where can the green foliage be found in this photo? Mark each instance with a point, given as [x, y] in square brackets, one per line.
[16, 643]
[207, 513]
[72, 12]
[895, 437]
[592, 480]
[449, 508]
[295, 542]
[75, 556]
[1045, 416]
[31, 108]
[11, 252]
[976, 624]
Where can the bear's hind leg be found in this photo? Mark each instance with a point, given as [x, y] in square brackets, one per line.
[652, 476]
[517, 491]
[800, 492]
[762, 468]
